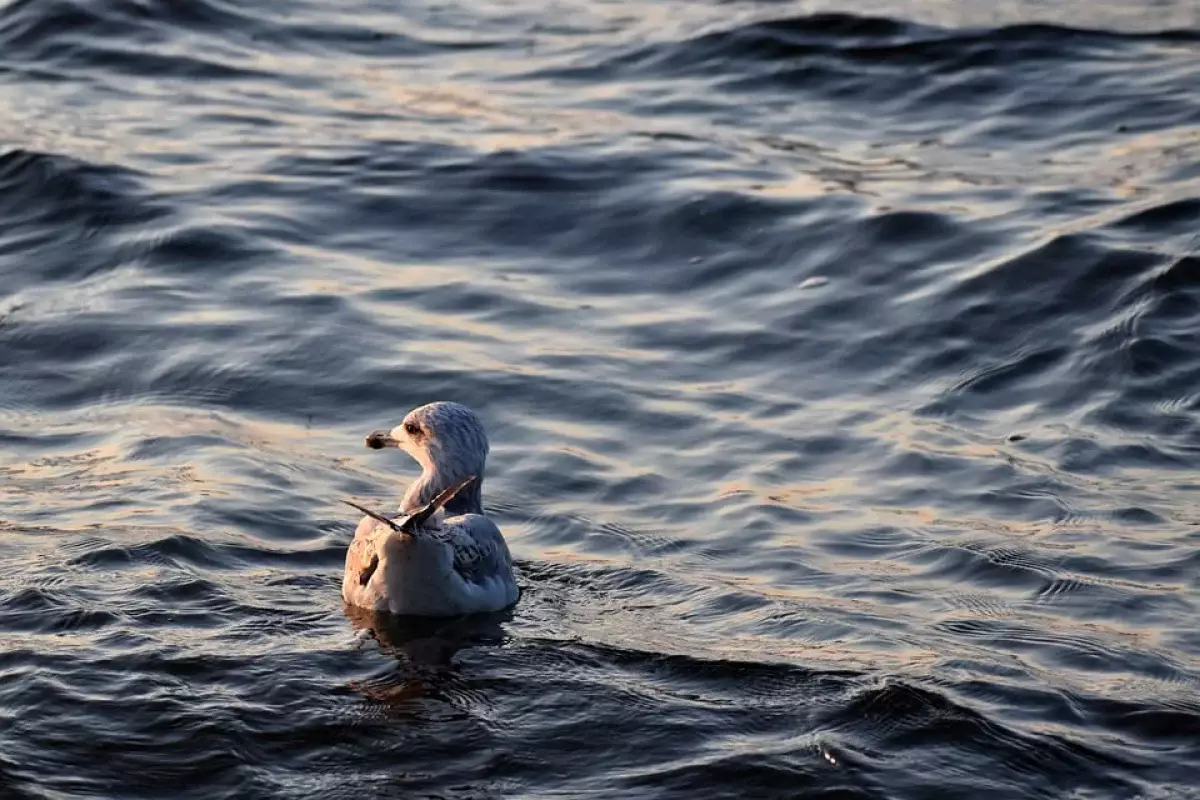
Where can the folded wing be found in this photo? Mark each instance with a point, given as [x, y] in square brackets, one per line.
[479, 549]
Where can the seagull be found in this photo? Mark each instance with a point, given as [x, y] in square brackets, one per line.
[444, 557]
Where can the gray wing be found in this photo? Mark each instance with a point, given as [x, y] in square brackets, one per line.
[479, 549]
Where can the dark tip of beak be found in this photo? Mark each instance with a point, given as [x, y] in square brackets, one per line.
[379, 440]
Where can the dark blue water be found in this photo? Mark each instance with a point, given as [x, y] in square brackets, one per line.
[842, 372]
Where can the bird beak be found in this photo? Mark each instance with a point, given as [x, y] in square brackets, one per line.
[377, 440]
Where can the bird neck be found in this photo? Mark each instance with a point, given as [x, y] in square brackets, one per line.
[469, 499]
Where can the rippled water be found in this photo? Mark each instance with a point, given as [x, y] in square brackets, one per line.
[842, 373]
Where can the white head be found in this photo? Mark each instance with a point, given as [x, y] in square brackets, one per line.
[449, 443]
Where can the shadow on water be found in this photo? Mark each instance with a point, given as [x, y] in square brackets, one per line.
[423, 648]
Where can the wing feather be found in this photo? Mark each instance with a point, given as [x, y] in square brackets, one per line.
[479, 549]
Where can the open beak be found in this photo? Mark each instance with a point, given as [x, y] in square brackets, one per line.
[377, 440]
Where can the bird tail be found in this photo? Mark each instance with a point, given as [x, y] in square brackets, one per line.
[419, 517]
[373, 515]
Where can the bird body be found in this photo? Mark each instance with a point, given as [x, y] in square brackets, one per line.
[446, 557]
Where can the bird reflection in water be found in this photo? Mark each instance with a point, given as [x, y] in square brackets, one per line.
[425, 648]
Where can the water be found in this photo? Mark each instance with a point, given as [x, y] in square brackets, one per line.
[842, 373]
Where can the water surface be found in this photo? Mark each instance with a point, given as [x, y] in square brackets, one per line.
[842, 372]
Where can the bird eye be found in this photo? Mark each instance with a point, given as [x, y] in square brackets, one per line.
[412, 428]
